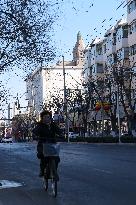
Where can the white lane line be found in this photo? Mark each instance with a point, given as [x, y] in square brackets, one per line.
[102, 170]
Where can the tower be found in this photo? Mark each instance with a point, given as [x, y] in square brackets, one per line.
[78, 50]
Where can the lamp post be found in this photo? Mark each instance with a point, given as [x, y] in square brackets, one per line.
[9, 108]
[17, 107]
[118, 114]
[65, 104]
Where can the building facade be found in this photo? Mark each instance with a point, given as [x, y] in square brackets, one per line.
[131, 19]
[46, 84]
[110, 64]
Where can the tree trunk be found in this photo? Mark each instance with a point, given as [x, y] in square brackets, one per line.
[114, 125]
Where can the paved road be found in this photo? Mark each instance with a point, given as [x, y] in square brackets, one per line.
[97, 174]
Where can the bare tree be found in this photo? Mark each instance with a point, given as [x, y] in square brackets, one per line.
[25, 31]
[125, 79]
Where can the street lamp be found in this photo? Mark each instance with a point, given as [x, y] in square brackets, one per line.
[118, 114]
[65, 104]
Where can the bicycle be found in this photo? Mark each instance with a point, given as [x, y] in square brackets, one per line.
[51, 152]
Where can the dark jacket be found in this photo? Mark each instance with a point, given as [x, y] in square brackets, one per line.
[45, 134]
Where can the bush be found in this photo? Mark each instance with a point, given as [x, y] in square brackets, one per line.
[107, 139]
[128, 139]
[95, 139]
[78, 139]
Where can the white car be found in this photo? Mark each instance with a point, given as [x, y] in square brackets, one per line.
[73, 134]
[7, 139]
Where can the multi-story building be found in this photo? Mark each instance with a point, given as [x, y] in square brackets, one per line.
[94, 68]
[100, 58]
[94, 60]
[47, 83]
[102, 54]
[117, 50]
[131, 19]
[122, 49]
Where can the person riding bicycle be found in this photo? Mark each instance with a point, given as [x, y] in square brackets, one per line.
[46, 131]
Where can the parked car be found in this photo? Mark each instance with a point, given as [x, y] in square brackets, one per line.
[7, 139]
[73, 134]
[124, 134]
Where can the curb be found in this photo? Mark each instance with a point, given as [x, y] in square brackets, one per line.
[91, 143]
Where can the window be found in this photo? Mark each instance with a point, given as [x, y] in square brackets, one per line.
[132, 50]
[115, 57]
[119, 35]
[90, 71]
[135, 26]
[110, 59]
[114, 38]
[128, 9]
[130, 29]
[125, 32]
[132, 6]
[99, 49]
[119, 54]
[99, 68]
[93, 69]
[104, 48]
[126, 52]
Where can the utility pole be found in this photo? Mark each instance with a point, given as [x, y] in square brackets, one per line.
[102, 111]
[65, 104]
[9, 113]
[118, 113]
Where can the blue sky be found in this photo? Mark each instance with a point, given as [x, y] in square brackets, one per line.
[85, 16]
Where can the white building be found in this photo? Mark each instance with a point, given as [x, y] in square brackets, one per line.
[131, 19]
[122, 49]
[48, 82]
[103, 53]
[94, 60]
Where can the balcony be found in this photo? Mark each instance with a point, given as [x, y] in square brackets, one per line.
[122, 43]
[111, 49]
[132, 39]
[99, 59]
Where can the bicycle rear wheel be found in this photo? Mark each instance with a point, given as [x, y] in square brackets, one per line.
[45, 184]
[53, 177]
[54, 187]
[46, 177]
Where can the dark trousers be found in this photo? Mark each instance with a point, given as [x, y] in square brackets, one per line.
[44, 162]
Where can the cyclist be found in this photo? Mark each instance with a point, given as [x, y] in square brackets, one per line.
[46, 131]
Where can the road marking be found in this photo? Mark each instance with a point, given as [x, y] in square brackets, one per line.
[8, 184]
[102, 170]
